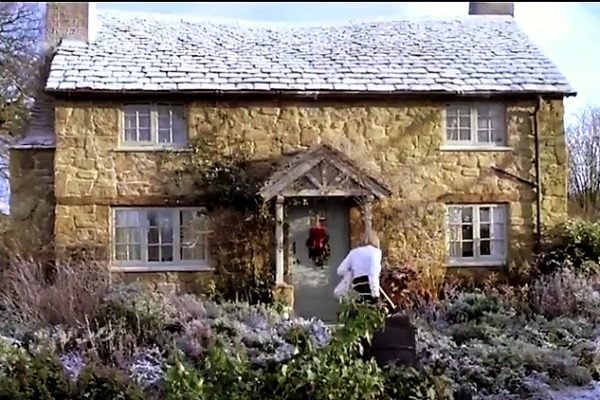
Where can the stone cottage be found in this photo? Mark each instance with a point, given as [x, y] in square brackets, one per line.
[445, 136]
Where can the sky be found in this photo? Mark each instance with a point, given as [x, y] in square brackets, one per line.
[568, 33]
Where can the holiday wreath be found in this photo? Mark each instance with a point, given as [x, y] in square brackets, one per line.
[318, 245]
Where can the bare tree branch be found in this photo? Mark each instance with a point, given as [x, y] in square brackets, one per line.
[583, 140]
[20, 60]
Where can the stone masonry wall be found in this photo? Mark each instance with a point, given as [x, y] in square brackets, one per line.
[399, 141]
[32, 201]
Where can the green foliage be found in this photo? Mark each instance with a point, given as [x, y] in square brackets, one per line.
[473, 307]
[32, 376]
[183, 382]
[99, 383]
[576, 247]
[334, 372]
[406, 383]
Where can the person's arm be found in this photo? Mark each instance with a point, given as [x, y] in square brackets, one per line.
[375, 272]
[344, 266]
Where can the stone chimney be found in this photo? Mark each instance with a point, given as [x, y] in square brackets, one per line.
[492, 9]
[70, 21]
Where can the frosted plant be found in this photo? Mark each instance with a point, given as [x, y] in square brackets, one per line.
[73, 363]
[146, 368]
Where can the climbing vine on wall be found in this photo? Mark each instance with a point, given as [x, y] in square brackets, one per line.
[227, 182]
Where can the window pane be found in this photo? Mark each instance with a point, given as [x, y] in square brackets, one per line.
[467, 215]
[121, 235]
[153, 236]
[467, 249]
[497, 248]
[490, 125]
[484, 136]
[127, 235]
[484, 248]
[452, 133]
[153, 253]
[179, 130]
[458, 123]
[160, 232]
[467, 232]
[499, 214]
[465, 134]
[164, 124]
[455, 249]
[194, 231]
[454, 215]
[144, 135]
[498, 231]
[166, 253]
[135, 252]
[121, 252]
[455, 234]
[484, 214]
[484, 231]
[137, 122]
[128, 252]
[127, 218]
[171, 125]
[130, 127]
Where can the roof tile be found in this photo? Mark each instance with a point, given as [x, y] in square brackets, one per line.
[469, 55]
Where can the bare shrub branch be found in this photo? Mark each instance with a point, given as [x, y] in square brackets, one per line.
[66, 295]
[583, 140]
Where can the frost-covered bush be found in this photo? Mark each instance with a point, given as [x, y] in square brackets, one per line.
[263, 334]
[146, 367]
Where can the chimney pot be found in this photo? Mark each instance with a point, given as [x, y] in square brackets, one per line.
[492, 9]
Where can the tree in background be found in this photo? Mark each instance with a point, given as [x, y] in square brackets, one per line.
[583, 140]
[20, 58]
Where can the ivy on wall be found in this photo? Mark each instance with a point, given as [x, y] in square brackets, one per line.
[226, 182]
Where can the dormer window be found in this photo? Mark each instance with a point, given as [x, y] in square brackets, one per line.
[154, 125]
[475, 125]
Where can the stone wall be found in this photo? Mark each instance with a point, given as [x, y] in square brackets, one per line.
[399, 141]
[31, 201]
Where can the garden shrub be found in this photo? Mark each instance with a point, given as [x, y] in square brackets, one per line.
[70, 295]
[473, 307]
[98, 382]
[576, 246]
[416, 384]
[183, 382]
[564, 293]
[25, 376]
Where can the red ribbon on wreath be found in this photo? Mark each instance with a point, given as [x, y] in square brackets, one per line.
[318, 245]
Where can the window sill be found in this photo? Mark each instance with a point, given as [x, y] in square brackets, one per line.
[475, 263]
[475, 148]
[125, 149]
[161, 268]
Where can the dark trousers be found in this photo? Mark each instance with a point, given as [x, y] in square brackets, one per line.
[361, 286]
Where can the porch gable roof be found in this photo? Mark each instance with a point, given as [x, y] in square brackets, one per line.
[322, 171]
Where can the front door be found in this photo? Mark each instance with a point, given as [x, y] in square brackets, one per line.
[313, 285]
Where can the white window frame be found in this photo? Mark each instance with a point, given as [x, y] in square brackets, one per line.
[473, 143]
[156, 266]
[478, 260]
[153, 143]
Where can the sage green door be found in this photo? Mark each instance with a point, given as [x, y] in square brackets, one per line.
[313, 285]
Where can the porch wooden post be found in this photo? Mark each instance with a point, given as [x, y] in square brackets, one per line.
[279, 241]
[367, 215]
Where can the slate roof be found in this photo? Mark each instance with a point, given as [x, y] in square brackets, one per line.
[468, 55]
[40, 130]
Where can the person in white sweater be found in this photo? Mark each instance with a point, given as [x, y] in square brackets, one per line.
[361, 270]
